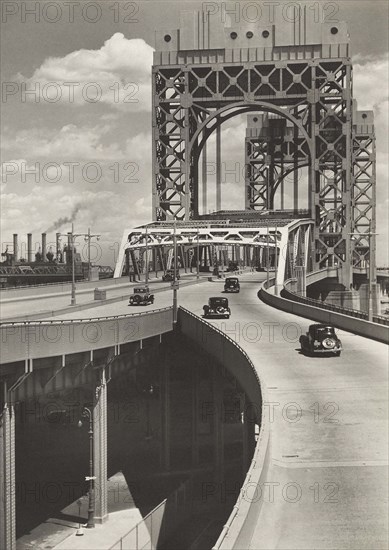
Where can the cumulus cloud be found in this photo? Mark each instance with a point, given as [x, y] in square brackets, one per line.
[70, 141]
[118, 75]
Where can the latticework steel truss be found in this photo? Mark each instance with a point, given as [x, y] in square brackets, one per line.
[364, 189]
[206, 73]
[273, 150]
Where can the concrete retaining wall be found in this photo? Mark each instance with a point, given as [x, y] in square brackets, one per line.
[339, 320]
[239, 529]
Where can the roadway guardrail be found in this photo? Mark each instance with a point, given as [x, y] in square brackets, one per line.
[343, 321]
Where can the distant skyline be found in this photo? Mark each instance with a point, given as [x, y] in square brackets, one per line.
[89, 141]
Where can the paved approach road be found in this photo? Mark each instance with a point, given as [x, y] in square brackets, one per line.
[328, 479]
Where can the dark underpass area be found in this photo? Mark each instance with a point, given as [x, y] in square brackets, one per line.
[175, 432]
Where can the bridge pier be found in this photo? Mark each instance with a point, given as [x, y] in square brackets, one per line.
[7, 474]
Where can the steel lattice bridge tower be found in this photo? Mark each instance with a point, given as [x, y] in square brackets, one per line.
[293, 80]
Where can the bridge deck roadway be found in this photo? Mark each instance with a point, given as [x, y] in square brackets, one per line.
[329, 425]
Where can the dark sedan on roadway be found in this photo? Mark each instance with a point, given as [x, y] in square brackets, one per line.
[320, 339]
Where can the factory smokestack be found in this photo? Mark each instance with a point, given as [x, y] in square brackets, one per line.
[16, 251]
[43, 247]
[29, 247]
[58, 246]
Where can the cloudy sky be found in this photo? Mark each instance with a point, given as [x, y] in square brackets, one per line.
[79, 148]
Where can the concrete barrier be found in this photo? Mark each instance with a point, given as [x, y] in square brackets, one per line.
[35, 340]
[238, 531]
[361, 327]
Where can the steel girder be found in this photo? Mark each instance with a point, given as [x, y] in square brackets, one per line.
[190, 101]
[364, 190]
[272, 151]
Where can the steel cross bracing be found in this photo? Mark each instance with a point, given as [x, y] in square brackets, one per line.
[273, 150]
[245, 241]
[197, 87]
[363, 189]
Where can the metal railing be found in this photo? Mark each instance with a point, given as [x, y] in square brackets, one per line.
[145, 534]
[286, 293]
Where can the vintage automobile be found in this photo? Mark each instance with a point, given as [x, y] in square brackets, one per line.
[232, 266]
[169, 275]
[217, 307]
[320, 339]
[231, 284]
[141, 296]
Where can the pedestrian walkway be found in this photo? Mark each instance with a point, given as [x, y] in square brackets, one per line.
[66, 530]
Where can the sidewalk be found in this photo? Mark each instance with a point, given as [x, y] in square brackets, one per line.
[60, 531]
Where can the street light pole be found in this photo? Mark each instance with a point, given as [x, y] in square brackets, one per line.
[73, 294]
[88, 237]
[87, 413]
[198, 256]
[276, 261]
[147, 260]
[267, 258]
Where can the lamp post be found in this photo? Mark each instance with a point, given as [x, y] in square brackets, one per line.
[87, 413]
[147, 259]
[70, 237]
[267, 257]
[276, 261]
[88, 237]
[73, 294]
[198, 255]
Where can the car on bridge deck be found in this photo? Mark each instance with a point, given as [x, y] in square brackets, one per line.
[217, 307]
[320, 339]
[141, 296]
[231, 284]
[169, 275]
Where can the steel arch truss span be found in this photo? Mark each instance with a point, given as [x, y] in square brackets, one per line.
[315, 94]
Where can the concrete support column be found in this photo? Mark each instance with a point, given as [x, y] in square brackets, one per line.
[218, 425]
[100, 448]
[165, 417]
[7, 476]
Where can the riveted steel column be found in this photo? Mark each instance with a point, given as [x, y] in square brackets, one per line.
[100, 448]
[7, 474]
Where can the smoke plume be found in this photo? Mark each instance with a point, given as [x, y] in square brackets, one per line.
[61, 221]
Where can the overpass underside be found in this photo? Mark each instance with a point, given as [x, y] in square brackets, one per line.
[155, 412]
